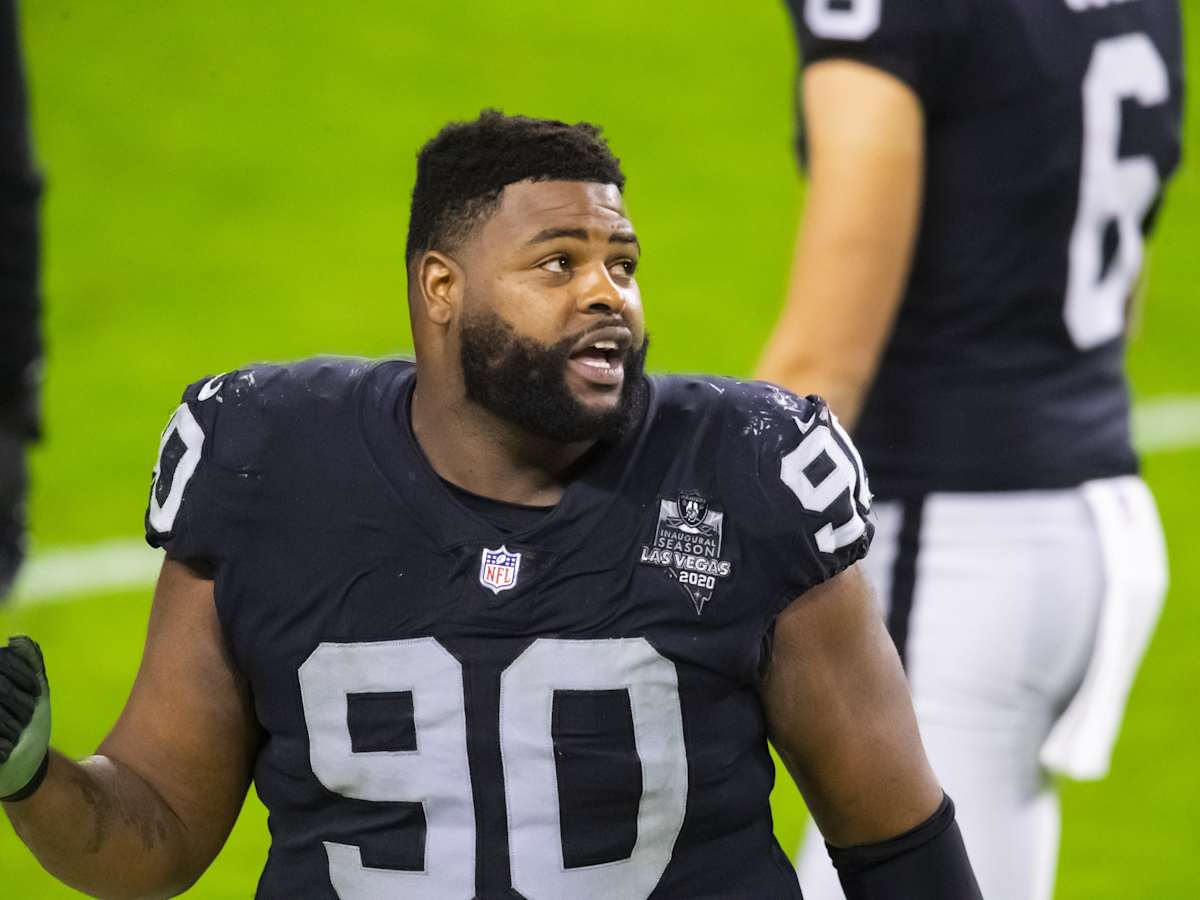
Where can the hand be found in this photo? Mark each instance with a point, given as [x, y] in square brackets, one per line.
[24, 718]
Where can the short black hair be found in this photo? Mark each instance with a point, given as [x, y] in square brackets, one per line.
[465, 167]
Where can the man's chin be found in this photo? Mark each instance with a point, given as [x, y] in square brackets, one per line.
[596, 397]
[598, 406]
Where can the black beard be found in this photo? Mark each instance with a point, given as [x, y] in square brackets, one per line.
[525, 382]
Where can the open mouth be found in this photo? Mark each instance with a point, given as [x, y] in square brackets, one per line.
[600, 357]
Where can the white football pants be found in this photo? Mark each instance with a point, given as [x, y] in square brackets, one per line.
[1021, 618]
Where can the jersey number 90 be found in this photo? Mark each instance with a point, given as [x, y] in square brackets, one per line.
[436, 772]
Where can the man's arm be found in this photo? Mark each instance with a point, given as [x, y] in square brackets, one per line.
[854, 248]
[840, 715]
[148, 813]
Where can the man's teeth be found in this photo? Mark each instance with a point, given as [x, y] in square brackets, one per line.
[605, 345]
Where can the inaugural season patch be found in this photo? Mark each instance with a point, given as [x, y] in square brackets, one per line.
[687, 546]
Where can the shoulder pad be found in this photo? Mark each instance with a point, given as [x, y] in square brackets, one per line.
[905, 38]
[219, 437]
[804, 477]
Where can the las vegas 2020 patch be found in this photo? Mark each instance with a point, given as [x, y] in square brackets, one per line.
[687, 546]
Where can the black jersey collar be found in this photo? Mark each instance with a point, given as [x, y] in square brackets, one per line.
[585, 506]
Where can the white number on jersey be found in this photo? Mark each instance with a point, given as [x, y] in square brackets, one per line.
[846, 475]
[1087, 5]
[1112, 190]
[526, 696]
[437, 774]
[183, 424]
[843, 20]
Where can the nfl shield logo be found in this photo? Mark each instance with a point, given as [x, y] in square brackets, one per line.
[498, 569]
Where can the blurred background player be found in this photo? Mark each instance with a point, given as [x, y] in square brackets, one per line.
[981, 177]
[20, 343]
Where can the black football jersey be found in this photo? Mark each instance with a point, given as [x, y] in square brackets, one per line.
[20, 188]
[449, 710]
[1052, 127]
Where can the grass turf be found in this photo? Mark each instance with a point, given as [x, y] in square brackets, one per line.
[228, 182]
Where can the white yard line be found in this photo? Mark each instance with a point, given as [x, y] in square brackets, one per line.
[68, 572]
[1160, 425]
[1167, 423]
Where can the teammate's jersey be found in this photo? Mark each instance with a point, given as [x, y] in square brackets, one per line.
[20, 189]
[451, 711]
[1052, 127]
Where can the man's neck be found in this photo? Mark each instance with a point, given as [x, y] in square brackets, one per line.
[486, 455]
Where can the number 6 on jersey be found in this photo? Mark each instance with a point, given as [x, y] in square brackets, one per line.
[1111, 189]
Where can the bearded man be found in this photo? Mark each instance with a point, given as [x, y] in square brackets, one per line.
[512, 621]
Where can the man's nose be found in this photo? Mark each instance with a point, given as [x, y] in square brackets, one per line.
[598, 293]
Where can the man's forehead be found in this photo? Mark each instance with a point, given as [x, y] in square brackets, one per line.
[534, 205]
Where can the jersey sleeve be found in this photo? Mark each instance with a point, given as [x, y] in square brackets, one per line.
[905, 38]
[204, 472]
[807, 494]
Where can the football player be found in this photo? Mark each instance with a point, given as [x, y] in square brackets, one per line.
[20, 345]
[981, 177]
[515, 620]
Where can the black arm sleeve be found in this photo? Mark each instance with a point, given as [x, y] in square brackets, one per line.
[908, 39]
[918, 42]
[929, 862]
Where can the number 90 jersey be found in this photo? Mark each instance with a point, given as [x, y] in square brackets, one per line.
[1051, 128]
[450, 711]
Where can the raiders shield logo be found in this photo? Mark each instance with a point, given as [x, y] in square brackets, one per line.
[687, 546]
[693, 508]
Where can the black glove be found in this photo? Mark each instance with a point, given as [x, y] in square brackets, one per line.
[24, 719]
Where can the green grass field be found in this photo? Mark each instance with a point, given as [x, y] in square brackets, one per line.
[229, 182]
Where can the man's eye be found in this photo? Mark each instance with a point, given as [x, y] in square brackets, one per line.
[557, 265]
[625, 267]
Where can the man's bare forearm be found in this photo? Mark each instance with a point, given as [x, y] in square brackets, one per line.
[101, 828]
[866, 145]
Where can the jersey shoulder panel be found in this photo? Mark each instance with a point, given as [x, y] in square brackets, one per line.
[224, 433]
[799, 483]
[787, 475]
[908, 39]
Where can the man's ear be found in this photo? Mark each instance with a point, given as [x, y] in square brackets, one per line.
[440, 281]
